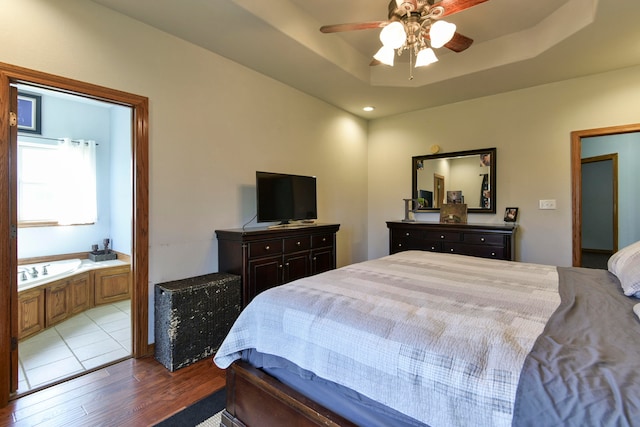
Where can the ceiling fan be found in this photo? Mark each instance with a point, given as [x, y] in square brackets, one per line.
[414, 25]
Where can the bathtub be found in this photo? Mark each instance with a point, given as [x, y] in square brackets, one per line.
[56, 270]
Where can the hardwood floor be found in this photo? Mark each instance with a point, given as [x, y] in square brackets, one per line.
[135, 392]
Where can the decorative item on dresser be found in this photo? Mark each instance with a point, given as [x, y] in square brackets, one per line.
[267, 257]
[481, 240]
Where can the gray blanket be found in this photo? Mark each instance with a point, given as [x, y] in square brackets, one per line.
[584, 370]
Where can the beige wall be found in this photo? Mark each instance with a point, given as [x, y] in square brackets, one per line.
[530, 129]
[213, 123]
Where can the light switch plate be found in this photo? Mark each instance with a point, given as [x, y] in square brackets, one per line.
[548, 204]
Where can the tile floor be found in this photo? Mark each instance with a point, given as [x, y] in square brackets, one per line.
[87, 340]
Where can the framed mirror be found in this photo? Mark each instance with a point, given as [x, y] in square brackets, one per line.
[460, 177]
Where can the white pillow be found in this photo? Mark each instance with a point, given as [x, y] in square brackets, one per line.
[625, 264]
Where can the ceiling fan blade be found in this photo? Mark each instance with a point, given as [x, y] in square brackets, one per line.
[337, 28]
[455, 6]
[459, 43]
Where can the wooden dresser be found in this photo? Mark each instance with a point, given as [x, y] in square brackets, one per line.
[265, 258]
[481, 240]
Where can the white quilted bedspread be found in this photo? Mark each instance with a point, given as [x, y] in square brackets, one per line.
[439, 337]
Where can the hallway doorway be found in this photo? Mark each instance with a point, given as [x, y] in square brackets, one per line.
[623, 140]
[600, 210]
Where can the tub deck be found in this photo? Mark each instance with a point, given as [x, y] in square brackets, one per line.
[49, 299]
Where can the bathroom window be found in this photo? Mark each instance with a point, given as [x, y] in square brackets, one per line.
[56, 184]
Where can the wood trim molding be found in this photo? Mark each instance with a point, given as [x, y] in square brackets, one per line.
[5, 245]
[576, 178]
[140, 238]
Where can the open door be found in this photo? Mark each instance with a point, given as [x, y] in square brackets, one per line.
[13, 241]
[8, 243]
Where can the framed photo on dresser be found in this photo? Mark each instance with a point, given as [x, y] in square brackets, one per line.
[510, 214]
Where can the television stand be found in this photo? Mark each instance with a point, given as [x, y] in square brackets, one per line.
[267, 257]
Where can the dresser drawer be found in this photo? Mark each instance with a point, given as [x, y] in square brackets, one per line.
[475, 250]
[443, 235]
[483, 239]
[295, 244]
[265, 247]
[408, 234]
[400, 244]
[321, 240]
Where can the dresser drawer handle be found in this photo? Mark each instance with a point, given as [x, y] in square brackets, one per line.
[298, 243]
[482, 239]
[433, 248]
[399, 245]
[407, 234]
[324, 239]
[442, 236]
[493, 254]
[266, 248]
[451, 249]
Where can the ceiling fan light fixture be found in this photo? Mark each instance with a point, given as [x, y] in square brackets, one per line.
[385, 55]
[425, 57]
[441, 33]
[393, 35]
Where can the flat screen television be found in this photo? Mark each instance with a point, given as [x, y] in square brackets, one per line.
[284, 197]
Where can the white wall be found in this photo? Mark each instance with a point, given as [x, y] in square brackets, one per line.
[530, 129]
[213, 123]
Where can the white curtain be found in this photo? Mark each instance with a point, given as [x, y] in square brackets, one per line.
[76, 182]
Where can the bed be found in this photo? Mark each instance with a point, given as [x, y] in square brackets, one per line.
[429, 339]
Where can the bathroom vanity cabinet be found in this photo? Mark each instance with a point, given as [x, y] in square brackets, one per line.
[66, 297]
[112, 284]
[30, 312]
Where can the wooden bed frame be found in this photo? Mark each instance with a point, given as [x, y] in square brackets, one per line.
[255, 398]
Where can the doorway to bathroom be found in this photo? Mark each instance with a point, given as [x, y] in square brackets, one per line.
[105, 297]
[74, 202]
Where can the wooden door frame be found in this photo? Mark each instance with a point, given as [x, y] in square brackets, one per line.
[140, 209]
[576, 178]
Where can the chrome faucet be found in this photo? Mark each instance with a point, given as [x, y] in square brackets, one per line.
[34, 273]
[44, 269]
[23, 274]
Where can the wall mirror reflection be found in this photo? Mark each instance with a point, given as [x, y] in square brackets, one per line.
[467, 177]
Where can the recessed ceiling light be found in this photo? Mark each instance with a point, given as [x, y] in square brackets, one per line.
[369, 108]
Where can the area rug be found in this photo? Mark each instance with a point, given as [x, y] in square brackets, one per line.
[203, 413]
